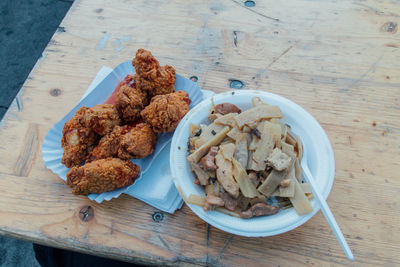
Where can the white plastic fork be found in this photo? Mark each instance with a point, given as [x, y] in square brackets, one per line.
[324, 206]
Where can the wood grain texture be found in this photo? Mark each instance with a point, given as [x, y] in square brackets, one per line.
[340, 60]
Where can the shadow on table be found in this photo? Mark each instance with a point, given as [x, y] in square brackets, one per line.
[53, 257]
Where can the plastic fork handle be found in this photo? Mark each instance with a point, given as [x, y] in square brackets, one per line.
[328, 214]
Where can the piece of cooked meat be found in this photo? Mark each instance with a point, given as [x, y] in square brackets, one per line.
[137, 143]
[102, 118]
[230, 202]
[226, 108]
[101, 176]
[77, 140]
[259, 209]
[207, 163]
[109, 144]
[166, 111]
[212, 201]
[130, 101]
[151, 77]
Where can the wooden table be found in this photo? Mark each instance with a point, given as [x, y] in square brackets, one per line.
[339, 59]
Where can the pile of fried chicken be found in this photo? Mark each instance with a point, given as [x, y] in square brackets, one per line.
[99, 142]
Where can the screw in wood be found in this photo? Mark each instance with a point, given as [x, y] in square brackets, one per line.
[158, 216]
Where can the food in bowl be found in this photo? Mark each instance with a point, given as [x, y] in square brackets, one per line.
[98, 142]
[248, 162]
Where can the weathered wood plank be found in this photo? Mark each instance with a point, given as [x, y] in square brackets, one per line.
[337, 59]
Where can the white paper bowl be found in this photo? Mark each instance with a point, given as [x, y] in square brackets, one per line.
[320, 161]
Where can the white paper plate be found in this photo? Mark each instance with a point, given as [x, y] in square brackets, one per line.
[320, 161]
[52, 150]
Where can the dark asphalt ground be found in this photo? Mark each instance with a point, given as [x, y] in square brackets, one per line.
[26, 26]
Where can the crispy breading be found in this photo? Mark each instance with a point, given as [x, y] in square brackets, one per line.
[145, 64]
[77, 140]
[130, 101]
[151, 77]
[101, 176]
[102, 118]
[109, 144]
[138, 143]
[166, 111]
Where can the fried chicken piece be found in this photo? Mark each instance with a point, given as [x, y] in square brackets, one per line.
[126, 142]
[101, 176]
[102, 118]
[145, 64]
[166, 111]
[151, 77]
[109, 144]
[130, 101]
[163, 82]
[77, 140]
[138, 142]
